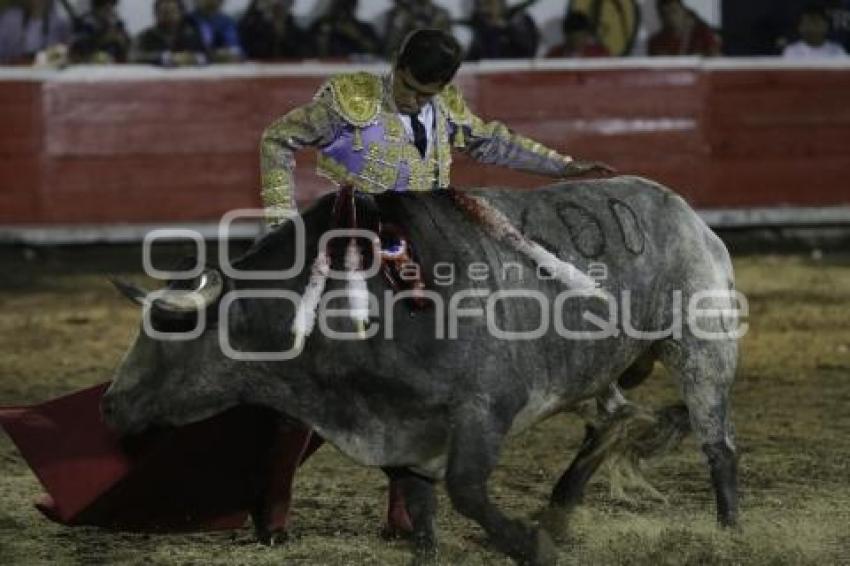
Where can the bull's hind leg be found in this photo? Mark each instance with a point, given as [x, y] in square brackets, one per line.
[474, 451]
[705, 369]
[569, 491]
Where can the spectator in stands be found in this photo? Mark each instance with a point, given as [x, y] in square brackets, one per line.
[580, 39]
[839, 11]
[409, 15]
[29, 27]
[338, 33]
[100, 36]
[218, 31]
[173, 41]
[502, 33]
[813, 28]
[682, 32]
[269, 32]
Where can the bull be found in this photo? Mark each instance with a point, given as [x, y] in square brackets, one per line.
[431, 394]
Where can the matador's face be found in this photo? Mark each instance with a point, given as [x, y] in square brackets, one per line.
[409, 94]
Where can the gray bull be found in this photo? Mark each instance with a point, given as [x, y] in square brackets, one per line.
[426, 405]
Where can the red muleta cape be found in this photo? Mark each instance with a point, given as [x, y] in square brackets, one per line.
[204, 476]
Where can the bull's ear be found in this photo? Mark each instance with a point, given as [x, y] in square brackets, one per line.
[129, 290]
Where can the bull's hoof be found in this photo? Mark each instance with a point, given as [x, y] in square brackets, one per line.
[271, 537]
[425, 557]
[554, 519]
[391, 532]
[545, 553]
[533, 547]
[729, 521]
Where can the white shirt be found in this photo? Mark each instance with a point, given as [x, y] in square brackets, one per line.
[426, 118]
[802, 50]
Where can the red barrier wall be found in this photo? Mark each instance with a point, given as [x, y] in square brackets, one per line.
[82, 146]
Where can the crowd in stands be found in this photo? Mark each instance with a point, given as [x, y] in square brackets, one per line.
[199, 32]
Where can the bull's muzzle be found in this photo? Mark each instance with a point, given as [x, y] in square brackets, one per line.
[115, 414]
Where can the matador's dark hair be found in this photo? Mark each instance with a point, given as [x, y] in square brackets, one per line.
[661, 3]
[430, 55]
[815, 9]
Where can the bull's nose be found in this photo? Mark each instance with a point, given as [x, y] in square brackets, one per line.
[116, 413]
[107, 408]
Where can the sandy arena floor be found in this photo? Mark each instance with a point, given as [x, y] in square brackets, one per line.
[63, 327]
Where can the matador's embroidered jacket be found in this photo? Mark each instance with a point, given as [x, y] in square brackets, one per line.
[362, 142]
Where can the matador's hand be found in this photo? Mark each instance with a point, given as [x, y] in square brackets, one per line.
[578, 167]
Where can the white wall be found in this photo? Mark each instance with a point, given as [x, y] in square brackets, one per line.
[138, 14]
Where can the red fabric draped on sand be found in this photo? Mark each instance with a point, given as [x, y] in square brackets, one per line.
[202, 476]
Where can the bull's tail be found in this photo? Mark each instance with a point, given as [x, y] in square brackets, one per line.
[638, 438]
[623, 441]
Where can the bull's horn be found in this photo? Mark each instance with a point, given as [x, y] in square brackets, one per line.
[208, 291]
[129, 290]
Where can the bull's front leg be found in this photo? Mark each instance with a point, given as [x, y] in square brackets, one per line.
[420, 503]
[291, 444]
[476, 441]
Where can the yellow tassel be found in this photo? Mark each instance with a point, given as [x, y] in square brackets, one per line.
[460, 142]
[358, 140]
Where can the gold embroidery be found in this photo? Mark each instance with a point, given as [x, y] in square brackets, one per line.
[275, 178]
[481, 129]
[460, 141]
[394, 128]
[540, 150]
[277, 202]
[457, 111]
[393, 152]
[387, 176]
[442, 150]
[378, 170]
[452, 100]
[276, 196]
[357, 97]
[421, 170]
[330, 169]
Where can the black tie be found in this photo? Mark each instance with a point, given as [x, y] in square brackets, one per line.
[420, 139]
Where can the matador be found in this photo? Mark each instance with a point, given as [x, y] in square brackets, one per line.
[394, 133]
